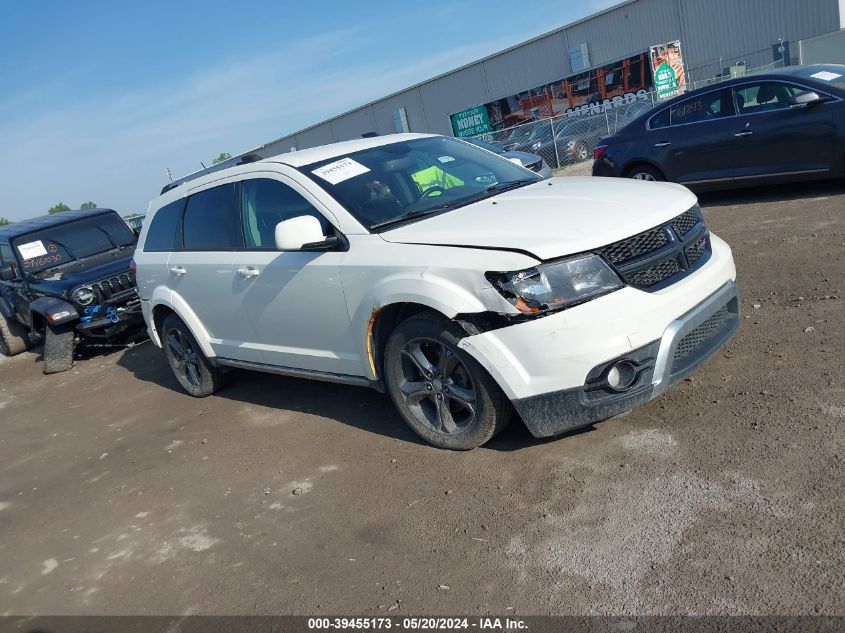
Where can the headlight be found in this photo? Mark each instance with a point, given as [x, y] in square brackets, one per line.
[537, 145]
[83, 296]
[556, 285]
[570, 144]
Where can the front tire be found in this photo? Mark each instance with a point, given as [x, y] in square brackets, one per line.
[195, 373]
[59, 344]
[14, 337]
[443, 394]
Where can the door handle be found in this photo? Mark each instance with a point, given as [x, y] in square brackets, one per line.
[744, 134]
[248, 272]
[178, 270]
[663, 144]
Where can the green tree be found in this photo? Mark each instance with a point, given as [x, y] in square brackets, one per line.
[4, 222]
[223, 156]
[88, 205]
[58, 208]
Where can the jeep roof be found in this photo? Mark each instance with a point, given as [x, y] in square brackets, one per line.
[45, 221]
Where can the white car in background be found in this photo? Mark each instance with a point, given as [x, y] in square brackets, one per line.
[464, 286]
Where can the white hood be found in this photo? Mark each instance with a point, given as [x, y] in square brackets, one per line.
[553, 218]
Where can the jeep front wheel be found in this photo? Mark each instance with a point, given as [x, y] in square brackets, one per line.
[192, 369]
[443, 394]
[14, 337]
[59, 342]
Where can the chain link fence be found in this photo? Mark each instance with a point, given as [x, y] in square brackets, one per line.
[570, 138]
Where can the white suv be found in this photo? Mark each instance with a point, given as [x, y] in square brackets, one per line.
[461, 284]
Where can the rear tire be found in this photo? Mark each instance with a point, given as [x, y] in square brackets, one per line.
[192, 369]
[59, 343]
[14, 337]
[646, 172]
[443, 393]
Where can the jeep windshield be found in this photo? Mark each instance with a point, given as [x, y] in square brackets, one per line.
[76, 240]
[406, 181]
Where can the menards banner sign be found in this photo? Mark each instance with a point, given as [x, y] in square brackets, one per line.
[617, 84]
[471, 122]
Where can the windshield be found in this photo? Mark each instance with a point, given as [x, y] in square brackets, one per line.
[65, 243]
[393, 183]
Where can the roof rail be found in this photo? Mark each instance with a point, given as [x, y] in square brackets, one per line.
[231, 162]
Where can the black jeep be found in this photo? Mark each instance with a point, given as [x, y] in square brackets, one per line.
[65, 277]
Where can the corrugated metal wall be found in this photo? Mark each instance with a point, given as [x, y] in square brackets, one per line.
[708, 29]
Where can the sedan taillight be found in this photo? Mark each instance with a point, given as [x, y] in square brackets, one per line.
[599, 151]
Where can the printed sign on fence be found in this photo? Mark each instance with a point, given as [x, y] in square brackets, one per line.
[667, 65]
[471, 122]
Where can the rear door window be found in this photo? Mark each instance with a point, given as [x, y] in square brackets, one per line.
[211, 220]
[706, 107]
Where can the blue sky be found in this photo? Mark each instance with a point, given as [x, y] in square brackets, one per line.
[98, 98]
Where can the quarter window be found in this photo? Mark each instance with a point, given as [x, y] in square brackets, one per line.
[211, 220]
[764, 96]
[267, 202]
[161, 236]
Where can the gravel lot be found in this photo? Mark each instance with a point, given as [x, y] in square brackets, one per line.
[121, 495]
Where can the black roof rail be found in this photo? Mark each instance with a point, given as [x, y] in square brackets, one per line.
[231, 162]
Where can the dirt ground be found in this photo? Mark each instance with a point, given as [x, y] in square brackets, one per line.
[121, 495]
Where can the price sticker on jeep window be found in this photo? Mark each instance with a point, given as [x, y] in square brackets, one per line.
[340, 170]
[31, 250]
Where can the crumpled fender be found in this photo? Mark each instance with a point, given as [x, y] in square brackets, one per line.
[428, 289]
[166, 297]
[55, 310]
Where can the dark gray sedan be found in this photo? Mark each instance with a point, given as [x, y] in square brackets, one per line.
[784, 125]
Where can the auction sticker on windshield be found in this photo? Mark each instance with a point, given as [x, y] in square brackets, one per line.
[340, 170]
[32, 249]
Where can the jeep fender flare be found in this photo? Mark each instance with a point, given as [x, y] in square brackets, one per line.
[56, 311]
[169, 299]
[433, 291]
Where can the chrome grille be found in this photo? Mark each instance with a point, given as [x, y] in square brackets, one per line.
[700, 335]
[661, 255]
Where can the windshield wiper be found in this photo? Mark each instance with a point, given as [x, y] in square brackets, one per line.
[409, 216]
[499, 187]
[64, 246]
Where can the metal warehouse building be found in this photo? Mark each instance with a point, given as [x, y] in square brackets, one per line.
[714, 34]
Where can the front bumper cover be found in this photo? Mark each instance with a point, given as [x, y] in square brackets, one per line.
[687, 342]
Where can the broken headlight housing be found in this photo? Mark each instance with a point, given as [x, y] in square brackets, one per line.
[556, 285]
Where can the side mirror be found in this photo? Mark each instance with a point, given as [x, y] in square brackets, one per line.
[807, 99]
[303, 233]
[7, 273]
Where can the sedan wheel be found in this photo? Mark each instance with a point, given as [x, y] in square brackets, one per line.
[643, 176]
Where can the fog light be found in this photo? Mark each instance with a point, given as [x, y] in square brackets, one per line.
[621, 376]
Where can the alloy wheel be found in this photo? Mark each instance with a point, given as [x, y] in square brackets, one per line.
[641, 175]
[185, 358]
[436, 386]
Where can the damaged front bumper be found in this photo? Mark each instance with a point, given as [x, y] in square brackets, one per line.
[111, 321]
[555, 369]
[687, 343]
